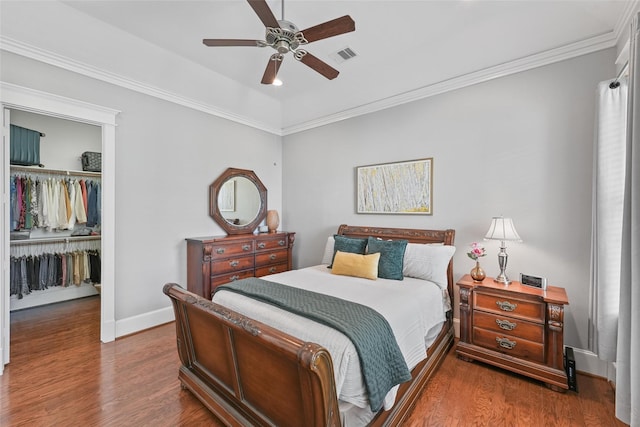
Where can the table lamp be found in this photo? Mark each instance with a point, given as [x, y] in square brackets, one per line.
[502, 229]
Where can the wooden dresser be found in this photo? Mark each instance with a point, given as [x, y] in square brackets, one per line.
[515, 327]
[213, 261]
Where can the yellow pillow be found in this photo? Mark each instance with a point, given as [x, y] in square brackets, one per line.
[348, 264]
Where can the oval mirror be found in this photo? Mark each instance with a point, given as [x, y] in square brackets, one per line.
[238, 201]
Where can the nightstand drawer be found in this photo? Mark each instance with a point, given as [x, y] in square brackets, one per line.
[508, 344]
[509, 325]
[273, 257]
[507, 305]
[231, 264]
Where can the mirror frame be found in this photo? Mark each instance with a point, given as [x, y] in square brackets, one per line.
[214, 211]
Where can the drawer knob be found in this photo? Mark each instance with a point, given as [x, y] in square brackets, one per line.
[234, 278]
[282, 242]
[246, 247]
[234, 263]
[272, 270]
[262, 245]
[506, 325]
[506, 305]
[505, 343]
[272, 257]
[220, 250]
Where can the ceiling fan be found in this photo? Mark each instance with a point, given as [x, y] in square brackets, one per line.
[284, 37]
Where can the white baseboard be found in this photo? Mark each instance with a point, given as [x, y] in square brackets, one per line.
[144, 321]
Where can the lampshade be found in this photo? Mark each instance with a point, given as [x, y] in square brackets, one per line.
[502, 229]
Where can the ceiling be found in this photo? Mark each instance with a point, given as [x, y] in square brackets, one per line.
[402, 47]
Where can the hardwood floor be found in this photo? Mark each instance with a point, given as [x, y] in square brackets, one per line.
[61, 375]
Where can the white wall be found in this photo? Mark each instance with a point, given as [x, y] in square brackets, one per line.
[166, 158]
[520, 146]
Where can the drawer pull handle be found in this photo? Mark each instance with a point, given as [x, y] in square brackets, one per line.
[246, 247]
[506, 305]
[506, 325]
[272, 257]
[272, 270]
[281, 242]
[262, 245]
[234, 263]
[505, 343]
[220, 250]
[234, 278]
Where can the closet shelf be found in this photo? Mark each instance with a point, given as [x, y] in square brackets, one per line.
[54, 171]
[66, 239]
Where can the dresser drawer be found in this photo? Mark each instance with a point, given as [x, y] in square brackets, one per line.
[265, 244]
[271, 269]
[509, 325]
[226, 250]
[273, 257]
[230, 277]
[505, 304]
[231, 264]
[508, 344]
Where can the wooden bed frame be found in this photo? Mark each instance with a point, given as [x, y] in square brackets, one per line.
[248, 373]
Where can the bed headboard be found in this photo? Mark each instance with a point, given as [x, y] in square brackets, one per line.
[412, 235]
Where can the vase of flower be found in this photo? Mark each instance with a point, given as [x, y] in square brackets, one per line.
[477, 251]
[477, 273]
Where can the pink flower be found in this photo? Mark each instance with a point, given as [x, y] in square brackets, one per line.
[476, 251]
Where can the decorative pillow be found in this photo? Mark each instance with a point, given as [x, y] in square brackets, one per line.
[327, 256]
[428, 262]
[349, 264]
[348, 244]
[391, 256]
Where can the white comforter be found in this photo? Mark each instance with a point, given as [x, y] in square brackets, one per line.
[412, 307]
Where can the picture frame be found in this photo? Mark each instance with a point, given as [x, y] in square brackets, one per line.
[395, 188]
[227, 196]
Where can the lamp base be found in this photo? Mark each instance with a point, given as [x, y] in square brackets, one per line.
[502, 278]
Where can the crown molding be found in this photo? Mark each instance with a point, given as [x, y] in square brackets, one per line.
[569, 51]
[60, 61]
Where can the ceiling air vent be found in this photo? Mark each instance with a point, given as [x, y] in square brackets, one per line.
[343, 55]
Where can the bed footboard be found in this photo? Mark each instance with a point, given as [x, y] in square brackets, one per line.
[248, 373]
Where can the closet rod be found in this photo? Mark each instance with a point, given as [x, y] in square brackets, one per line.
[54, 240]
[55, 171]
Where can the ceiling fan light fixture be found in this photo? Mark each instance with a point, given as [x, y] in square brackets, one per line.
[282, 46]
[277, 82]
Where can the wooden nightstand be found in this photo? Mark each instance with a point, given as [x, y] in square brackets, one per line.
[515, 327]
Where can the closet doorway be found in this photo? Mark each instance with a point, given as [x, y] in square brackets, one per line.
[25, 103]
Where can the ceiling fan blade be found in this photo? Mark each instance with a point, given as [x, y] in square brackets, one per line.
[328, 29]
[320, 66]
[261, 8]
[231, 42]
[271, 71]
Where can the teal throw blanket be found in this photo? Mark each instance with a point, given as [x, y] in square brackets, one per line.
[381, 361]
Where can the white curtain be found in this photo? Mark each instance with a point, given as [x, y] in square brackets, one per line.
[606, 235]
[628, 350]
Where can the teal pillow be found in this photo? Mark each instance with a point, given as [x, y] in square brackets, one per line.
[391, 257]
[348, 244]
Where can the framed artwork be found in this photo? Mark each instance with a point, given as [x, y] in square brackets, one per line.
[395, 188]
[227, 196]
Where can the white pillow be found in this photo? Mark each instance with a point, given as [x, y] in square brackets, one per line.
[327, 257]
[428, 262]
